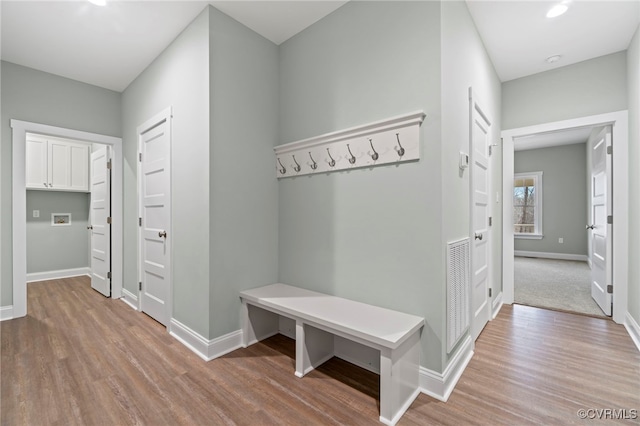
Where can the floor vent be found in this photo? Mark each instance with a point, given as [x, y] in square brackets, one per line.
[457, 291]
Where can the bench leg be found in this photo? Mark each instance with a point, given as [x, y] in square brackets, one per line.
[399, 379]
[257, 324]
[313, 347]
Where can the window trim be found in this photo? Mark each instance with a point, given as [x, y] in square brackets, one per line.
[537, 234]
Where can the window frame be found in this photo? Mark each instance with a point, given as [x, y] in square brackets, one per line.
[537, 233]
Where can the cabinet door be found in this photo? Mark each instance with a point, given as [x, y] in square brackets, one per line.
[79, 167]
[59, 163]
[36, 166]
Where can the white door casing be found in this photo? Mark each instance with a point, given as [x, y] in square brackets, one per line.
[599, 229]
[480, 188]
[155, 216]
[619, 120]
[99, 226]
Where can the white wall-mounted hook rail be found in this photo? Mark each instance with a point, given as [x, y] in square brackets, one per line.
[361, 151]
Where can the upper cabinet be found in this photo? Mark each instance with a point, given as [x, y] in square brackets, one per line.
[56, 165]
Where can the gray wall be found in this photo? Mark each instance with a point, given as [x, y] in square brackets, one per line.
[378, 235]
[243, 189]
[564, 197]
[633, 82]
[52, 248]
[591, 87]
[44, 98]
[179, 77]
[465, 63]
[371, 235]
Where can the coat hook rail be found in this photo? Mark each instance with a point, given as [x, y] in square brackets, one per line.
[375, 155]
[352, 158]
[283, 170]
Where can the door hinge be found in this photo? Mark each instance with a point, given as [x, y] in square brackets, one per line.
[490, 221]
[140, 156]
[610, 149]
[610, 220]
[490, 292]
[140, 286]
[139, 221]
[108, 275]
[109, 220]
[610, 289]
[109, 165]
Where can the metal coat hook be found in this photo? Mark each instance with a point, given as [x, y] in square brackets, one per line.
[297, 167]
[314, 165]
[332, 163]
[400, 150]
[282, 170]
[352, 159]
[375, 155]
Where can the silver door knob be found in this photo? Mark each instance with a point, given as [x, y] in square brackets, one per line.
[591, 227]
[162, 234]
[478, 237]
[90, 227]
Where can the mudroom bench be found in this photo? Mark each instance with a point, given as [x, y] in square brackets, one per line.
[319, 317]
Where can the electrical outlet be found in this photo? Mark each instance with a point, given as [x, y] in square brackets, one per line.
[561, 240]
[36, 213]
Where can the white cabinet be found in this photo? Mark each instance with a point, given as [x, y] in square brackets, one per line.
[56, 164]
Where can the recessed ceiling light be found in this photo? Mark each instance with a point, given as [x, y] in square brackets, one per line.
[554, 58]
[558, 9]
[98, 2]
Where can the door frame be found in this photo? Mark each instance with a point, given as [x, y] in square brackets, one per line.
[164, 115]
[620, 136]
[19, 205]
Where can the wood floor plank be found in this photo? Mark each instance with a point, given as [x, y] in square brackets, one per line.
[79, 358]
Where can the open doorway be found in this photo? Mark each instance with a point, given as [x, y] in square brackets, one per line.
[551, 217]
[618, 122]
[20, 129]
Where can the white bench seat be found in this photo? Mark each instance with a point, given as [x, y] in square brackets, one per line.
[320, 316]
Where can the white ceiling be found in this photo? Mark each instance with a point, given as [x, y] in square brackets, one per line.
[519, 37]
[110, 46]
[545, 140]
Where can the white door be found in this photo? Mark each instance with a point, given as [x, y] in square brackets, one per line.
[480, 212]
[155, 219]
[600, 229]
[99, 225]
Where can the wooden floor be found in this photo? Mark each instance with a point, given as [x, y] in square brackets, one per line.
[79, 358]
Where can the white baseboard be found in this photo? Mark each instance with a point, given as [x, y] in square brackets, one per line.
[205, 348]
[633, 329]
[496, 306]
[55, 275]
[559, 256]
[6, 312]
[130, 299]
[440, 385]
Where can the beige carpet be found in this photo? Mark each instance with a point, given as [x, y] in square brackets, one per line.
[555, 284]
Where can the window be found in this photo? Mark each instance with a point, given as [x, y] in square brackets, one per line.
[527, 205]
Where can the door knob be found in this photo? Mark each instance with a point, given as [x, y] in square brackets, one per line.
[478, 237]
[90, 227]
[162, 234]
[591, 227]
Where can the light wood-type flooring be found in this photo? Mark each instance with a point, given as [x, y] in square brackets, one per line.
[79, 358]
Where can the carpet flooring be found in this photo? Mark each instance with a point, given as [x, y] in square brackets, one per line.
[555, 284]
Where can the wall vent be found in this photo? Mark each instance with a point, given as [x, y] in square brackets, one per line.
[457, 291]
